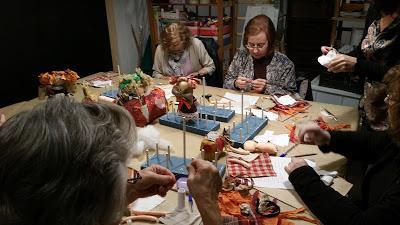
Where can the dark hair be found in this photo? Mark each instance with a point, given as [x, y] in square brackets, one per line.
[392, 80]
[386, 6]
[258, 24]
[65, 163]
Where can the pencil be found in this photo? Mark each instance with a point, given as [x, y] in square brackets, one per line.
[304, 155]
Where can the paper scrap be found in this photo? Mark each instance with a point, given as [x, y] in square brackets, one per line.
[282, 179]
[326, 59]
[102, 83]
[236, 104]
[270, 115]
[147, 204]
[281, 140]
[286, 100]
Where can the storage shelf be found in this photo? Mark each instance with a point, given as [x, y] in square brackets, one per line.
[225, 4]
[349, 19]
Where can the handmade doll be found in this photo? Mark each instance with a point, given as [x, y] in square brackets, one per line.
[183, 91]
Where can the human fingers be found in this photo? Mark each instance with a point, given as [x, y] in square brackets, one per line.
[325, 49]
[160, 176]
[305, 131]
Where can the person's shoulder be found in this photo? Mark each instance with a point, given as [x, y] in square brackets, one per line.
[242, 53]
[280, 57]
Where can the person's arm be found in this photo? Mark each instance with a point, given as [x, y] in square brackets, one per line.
[366, 146]
[284, 82]
[233, 72]
[154, 180]
[204, 184]
[332, 208]
[375, 71]
[204, 59]
[158, 71]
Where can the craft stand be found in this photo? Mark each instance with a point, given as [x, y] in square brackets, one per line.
[247, 130]
[222, 115]
[196, 126]
[177, 165]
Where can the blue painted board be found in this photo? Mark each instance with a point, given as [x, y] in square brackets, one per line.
[256, 124]
[223, 115]
[176, 165]
[111, 94]
[200, 126]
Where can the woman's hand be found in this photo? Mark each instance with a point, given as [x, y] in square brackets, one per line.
[342, 63]
[311, 133]
[294, 164]
[156, 180]
[204, 184]
[259, 85]
[326, 49]
[242, 82]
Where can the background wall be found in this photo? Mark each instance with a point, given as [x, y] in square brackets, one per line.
[126, 14]
[43, 35]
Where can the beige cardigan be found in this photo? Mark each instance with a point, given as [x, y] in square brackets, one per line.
[197, 54]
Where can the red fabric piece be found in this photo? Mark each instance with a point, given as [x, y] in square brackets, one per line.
[156, 104]
[260, 167]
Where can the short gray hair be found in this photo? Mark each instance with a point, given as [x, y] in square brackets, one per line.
[65, 163]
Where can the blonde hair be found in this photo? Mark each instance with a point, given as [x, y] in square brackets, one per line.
[392, 80]
[175, 33]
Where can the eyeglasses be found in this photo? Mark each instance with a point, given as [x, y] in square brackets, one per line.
[252, 46]
[133, 176]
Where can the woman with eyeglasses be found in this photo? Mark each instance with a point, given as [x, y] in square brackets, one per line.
[259, 68]
[65, 163]
[380, 203]
[181, 55]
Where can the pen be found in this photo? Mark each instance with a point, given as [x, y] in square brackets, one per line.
[190, 199]
[304, 155]
[290, 149]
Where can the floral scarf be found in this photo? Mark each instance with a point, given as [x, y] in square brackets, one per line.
[377, 45]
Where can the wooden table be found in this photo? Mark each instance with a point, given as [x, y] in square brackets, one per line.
[289, 198]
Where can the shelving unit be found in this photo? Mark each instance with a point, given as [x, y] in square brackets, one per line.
[337, 21]
[220, 6]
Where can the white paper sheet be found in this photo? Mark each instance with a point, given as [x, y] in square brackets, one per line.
[147, 204]
[281, 140]
[236, 104]
[282, 179]
[270, 115]
[102, 83]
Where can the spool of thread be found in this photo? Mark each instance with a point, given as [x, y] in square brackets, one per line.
[181, 199]
[105, 99]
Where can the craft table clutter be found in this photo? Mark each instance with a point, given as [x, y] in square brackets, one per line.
[286, 198]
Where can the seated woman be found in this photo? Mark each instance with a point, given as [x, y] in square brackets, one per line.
[65, 163]
[380, 203]
[179, 54]
[259, 68]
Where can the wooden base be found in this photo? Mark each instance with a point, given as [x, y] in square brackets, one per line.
[199, 126]
[255, 125]
[176, 165]
[223, 115]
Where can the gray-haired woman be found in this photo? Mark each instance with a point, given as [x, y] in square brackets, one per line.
[65, 163]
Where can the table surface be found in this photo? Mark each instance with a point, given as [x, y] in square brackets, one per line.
[288, 198]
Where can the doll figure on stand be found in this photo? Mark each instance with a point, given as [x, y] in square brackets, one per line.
[183, 91]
